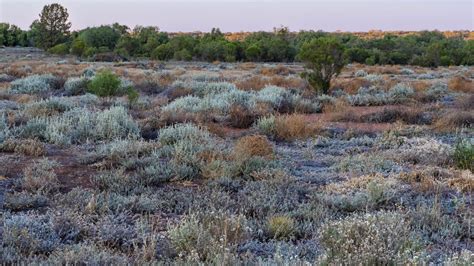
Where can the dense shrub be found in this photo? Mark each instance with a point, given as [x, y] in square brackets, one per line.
[33, 84]
[104, 84]
[59, 49]
[254, 145]
[75, 86]
[383, 237]
[208, 234]
[30, 234]
[285, 127]
[281, 227]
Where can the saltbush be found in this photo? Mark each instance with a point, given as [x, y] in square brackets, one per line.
[33, 84]
[372, 238]
[75, 86]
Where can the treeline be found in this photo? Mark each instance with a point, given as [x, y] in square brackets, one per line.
[427, 48]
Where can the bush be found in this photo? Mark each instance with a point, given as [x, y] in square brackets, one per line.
[75, 86]
[29, 147]
[208, 234]
[115, 123]
[285, 127]
[324, 59]
[281, 227]
[30, 234]
[188, 148]
[33, 84]
[255, 145]
[59, 49]
[4, 128]
[49, 107]
[104, 84]
[400, 93]
[240, 116]
[380, 238]
[40, 177]
[464, 155]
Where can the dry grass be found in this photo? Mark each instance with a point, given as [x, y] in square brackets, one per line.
[292, 127]
[461, 84]
[259, 82]
[254, 145]
[277, 70]
[465, 103]
[349, 85]
[419, 85]
[464, 184]
[455, 119]
[241, 117]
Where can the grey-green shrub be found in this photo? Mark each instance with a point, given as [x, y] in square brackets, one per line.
[33, 84]
[30, 233]
[115, 123]
[75, 86]
[371, 238]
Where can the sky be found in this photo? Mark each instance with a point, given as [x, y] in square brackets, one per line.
[255, 15]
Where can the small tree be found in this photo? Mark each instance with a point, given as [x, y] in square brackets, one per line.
[324, 59]
[53, 26]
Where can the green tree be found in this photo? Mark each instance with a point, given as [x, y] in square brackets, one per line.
[324, 59]
[53, 26]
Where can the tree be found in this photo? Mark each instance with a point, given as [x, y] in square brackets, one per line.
[324, 59]
[53, 26]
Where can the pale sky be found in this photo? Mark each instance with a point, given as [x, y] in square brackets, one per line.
[254, 15]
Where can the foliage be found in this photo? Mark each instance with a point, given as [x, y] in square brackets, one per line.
[324, 60]
[464, 155]
[104, 84]
[33, 84]
[53, 26]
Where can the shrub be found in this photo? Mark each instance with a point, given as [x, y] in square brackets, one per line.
[324, 59]
[116, 181]
[208, 234]
[115, 123]
[104, 84]
[188, 149]
[255, 145]
[291, 127]
[240, 116]
[29, 147]
[30, 234]
[400, 93]
[4, 128]
[33, 84]
[360, 73]
[173, 134]
[40, 177]
[266, 125]
[50, 107]
[464, 155]
[59, 49]
[380, 238]
[23, 201]
[75, 86]
[281, 227]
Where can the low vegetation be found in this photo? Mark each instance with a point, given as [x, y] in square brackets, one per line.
[233, 163]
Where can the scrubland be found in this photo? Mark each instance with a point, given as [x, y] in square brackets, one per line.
[234, 163]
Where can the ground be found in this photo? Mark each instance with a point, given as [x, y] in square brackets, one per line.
[234, 163]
